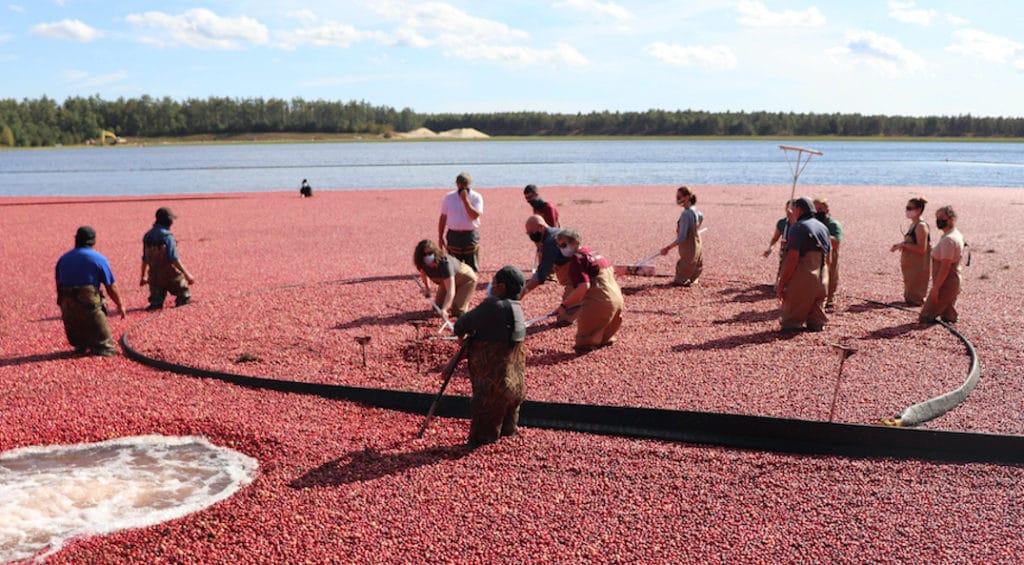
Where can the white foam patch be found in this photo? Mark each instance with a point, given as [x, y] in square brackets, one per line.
[49, 494]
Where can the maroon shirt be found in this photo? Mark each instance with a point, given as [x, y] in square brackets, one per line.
[584, 265]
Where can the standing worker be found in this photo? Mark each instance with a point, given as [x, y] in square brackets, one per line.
[914, 252]
[543, 209]
[497, 359]
[691, 252]
[835, 234]
[160, 258]
[460, 215]
[946, 269]
[594, 288]
[454, 279]
[781, 227]
[803, 284]
[79, 273]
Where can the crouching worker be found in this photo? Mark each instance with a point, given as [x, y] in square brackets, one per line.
[79, 275]
[594, 289]
[497, 358]
[454, 279]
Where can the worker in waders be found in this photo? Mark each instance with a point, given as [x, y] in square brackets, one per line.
[79, 273]
[497, 358]
[166, 273]
[803, 284]
[593, 288]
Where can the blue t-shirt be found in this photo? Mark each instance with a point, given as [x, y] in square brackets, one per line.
[159, 236]
[82, 266]
[808, 234]
[549, 255]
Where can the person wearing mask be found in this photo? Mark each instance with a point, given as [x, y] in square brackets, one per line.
[551, 261]
[460, 216]
[454, 279]
[691, 255]
[79, 274]
[592, 285]
[835, 234]
[497, 358]
[803, 284]
[946, 270]
[166, 273]
[543, 209]
[914, 254]
[781, 227]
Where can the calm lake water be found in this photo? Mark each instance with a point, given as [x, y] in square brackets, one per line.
[410, 164]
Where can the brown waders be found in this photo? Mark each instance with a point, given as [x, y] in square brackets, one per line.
[691, 259]
[465, 285]
[805, 293]
[496, 371]
[944, 307]
[915, 276]
[85, 320]
[164, 278]
[600, 313]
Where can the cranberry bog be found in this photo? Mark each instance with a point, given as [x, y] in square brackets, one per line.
[288, 288]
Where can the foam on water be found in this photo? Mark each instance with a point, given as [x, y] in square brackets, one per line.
[49, 494]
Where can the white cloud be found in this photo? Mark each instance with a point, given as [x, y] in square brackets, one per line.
[609, 9]
[328, 34]
[561, 55]
[879, 52]
[82, 79]
[713, 57]
[985, 46]
[754, 13]
[202, 29]
[303, 15]
[72, 30]
[957, 20]
[16, 8]
[5, 37]
[906, 13]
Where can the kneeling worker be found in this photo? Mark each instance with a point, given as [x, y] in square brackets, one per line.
[79, 275]
[594, 289]
[497, 358]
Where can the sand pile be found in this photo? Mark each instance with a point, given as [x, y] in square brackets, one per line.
[464, 133]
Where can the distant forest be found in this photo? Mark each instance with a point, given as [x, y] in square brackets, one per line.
[44, 121]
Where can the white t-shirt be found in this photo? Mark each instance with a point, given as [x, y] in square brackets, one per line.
[950, 248]
[453, 208]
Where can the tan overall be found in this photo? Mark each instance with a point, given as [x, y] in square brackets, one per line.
[496, 371]
[465, 285]
[833, 276]
[85, 320]
[600, 313]
[805, 293]
[562, 276]
[944, 306]
[915, 271]
[691, 259]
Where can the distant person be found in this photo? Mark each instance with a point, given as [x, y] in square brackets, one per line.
[946, 269]
[835, 233]
[305, 190]
[914, 254]
[543, 209]
[454, 279]
[803, 284]
[460, 216]
[691, 251]
[166, 273]
[79, 274]
[497, 359]
[594, 290]
[781, 227]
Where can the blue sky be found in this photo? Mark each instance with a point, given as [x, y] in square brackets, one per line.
[868, 56]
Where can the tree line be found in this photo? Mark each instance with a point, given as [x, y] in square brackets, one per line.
[44, 121]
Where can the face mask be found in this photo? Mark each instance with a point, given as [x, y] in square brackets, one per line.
[941, 224]
[821, 216]
[428, 259]
[567, 251]
[537, 236]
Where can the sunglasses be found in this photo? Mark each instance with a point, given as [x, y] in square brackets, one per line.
[911, 208]
[563, 245]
